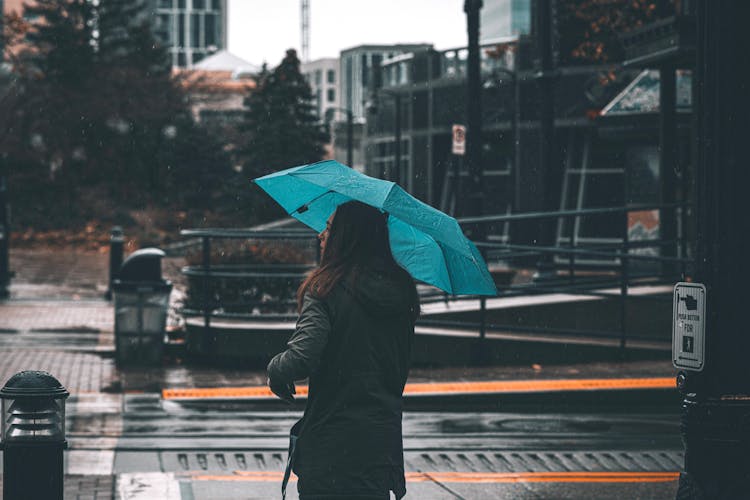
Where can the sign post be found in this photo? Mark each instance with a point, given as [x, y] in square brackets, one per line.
[458, 148]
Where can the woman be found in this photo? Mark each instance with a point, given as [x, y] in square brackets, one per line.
[353, 340]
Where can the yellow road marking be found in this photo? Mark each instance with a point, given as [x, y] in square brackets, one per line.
[477, 477]
[440, 388]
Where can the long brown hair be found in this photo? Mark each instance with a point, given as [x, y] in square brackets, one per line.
[357, 237]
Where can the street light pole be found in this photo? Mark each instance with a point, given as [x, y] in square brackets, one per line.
[474, 113]
[548, 165]
[516, 142]
[349, 133]
[397, 163]
[349, 138]
[396, 174]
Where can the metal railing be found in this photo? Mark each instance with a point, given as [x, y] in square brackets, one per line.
[618, 274]
[212, 306]
[610, 281]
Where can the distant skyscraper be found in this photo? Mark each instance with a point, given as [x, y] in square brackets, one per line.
[504, 18]
[192, 29]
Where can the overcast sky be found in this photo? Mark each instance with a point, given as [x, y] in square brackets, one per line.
[262, 30]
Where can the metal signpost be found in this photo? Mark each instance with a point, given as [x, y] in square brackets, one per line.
[458, 148]
[689, 326]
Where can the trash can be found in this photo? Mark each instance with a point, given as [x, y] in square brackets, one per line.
[141, 302]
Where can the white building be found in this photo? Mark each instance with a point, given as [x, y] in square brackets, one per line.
[323, 77]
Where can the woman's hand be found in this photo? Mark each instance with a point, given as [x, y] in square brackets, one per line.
[283, 391]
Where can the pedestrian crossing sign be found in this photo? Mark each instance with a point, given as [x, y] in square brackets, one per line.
[689, 326]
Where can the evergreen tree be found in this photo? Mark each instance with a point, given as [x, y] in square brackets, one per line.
[60, 40]
[136, 99]
[56, 62]
[281, 128]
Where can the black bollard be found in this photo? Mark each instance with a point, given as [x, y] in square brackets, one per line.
[116, 244]
[33, 436]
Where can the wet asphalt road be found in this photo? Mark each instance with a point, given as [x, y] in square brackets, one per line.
[167, 449]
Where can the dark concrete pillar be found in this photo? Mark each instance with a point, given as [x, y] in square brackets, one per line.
[716, 405]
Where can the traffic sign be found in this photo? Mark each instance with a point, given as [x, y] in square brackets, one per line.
[689, 326]
[459, 140]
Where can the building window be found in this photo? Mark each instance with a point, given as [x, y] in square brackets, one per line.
[165, 4]
[318, 77]
[199, 4]
[181, 4]
[365, 71]
[164, 29]
[331, 95]
[195, 28]
[331, 76]
[210, 29]
[181, 29]
[181, 59]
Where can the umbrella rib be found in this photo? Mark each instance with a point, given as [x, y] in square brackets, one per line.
[304, 208]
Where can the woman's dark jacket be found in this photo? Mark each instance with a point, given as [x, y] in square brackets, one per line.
[355, 346]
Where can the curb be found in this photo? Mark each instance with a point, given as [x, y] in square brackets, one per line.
[563, 394]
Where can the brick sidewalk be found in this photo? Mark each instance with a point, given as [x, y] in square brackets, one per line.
[78, 372]
[59, 274]
[80, 487]
[48, 315]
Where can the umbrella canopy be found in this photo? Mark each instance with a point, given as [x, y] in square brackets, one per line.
[424, 241]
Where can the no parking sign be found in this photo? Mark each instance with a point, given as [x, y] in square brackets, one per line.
[459, 140]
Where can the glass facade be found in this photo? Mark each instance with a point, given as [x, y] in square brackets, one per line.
[359, 68]
[192, 29]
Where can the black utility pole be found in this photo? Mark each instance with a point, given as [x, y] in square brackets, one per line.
[4, 240]
[547, 147]
[349, 138]
[349, 132]
[716, 405]
[397, 165]
[473, 159]
[668, 160]
[516, 132]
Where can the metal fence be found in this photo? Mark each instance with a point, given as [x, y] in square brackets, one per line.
[567, 271]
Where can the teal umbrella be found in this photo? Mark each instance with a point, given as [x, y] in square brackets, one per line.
[424, 241]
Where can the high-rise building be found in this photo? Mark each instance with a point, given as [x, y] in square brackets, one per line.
[192, 29]
[500, 19]
[359, 66]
